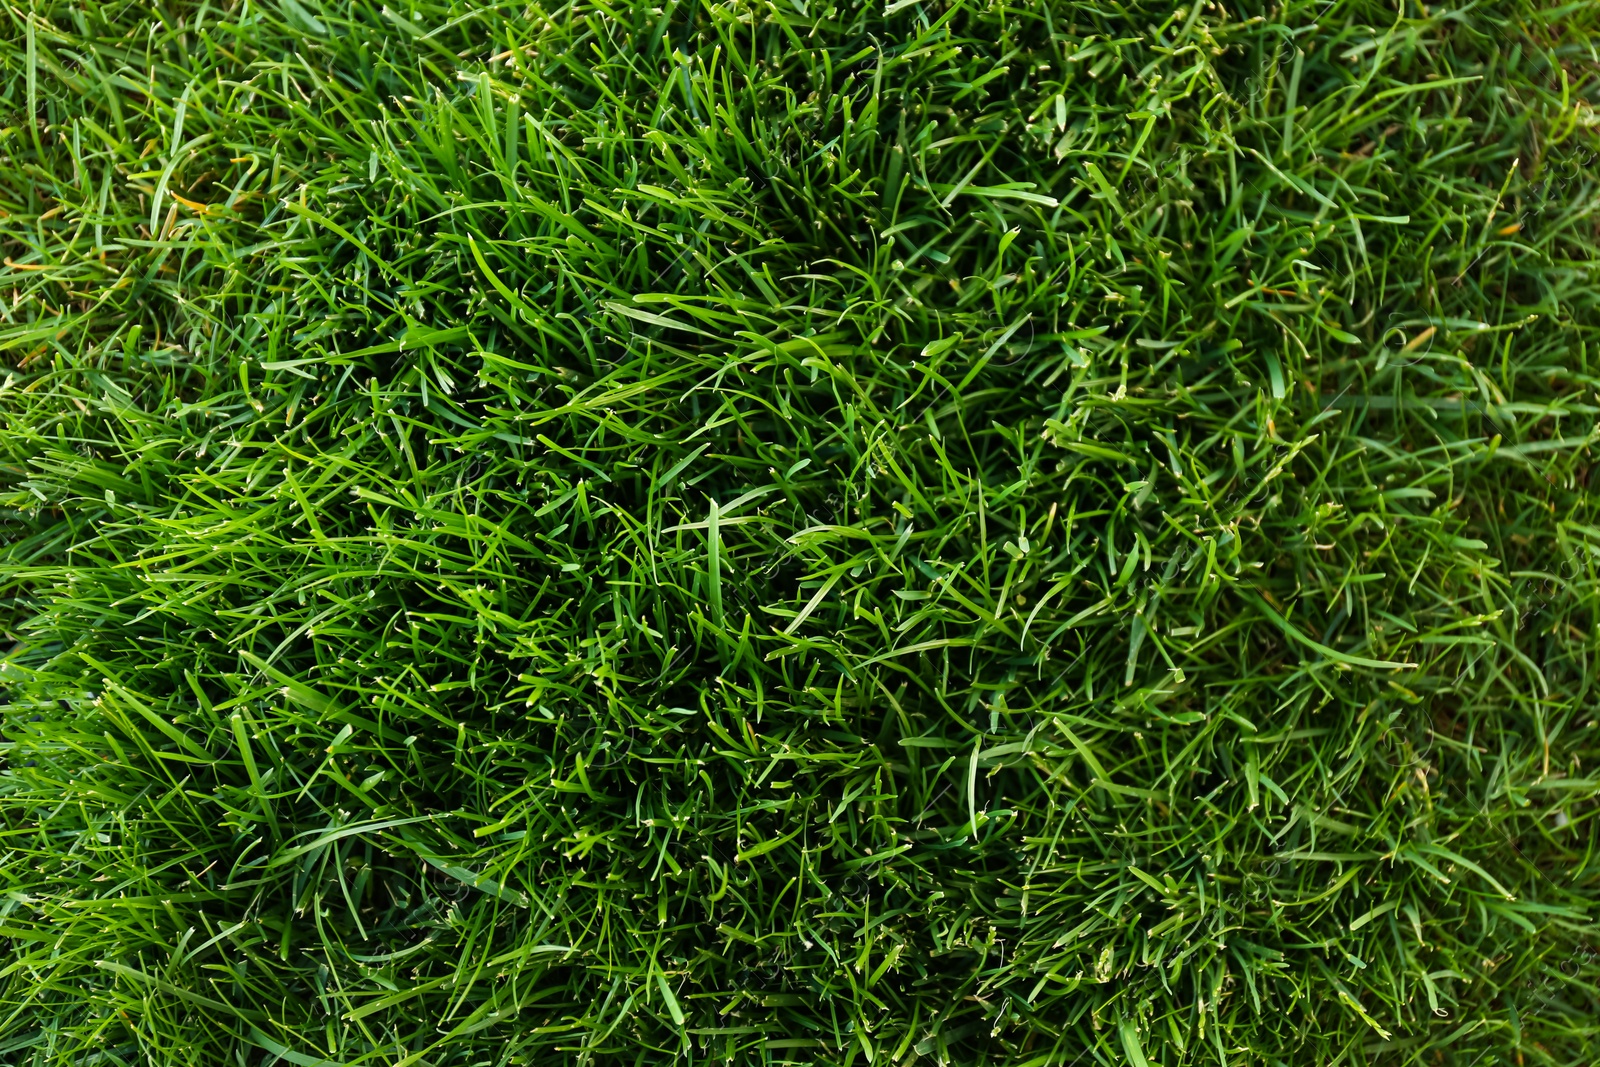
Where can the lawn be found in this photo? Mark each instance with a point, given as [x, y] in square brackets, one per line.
[778, 531]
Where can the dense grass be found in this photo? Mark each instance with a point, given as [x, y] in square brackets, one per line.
[786, 532]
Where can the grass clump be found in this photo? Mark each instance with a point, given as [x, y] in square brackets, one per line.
[798, 532]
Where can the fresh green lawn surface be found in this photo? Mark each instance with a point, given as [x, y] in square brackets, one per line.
[1044, 533]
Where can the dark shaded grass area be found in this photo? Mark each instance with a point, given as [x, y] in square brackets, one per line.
[1050, 535]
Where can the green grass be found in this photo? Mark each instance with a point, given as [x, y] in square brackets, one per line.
[1052, 534]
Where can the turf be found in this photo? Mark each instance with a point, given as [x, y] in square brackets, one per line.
[1050, 534]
